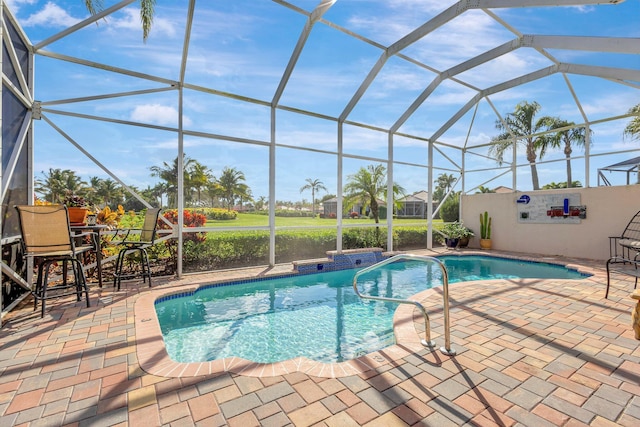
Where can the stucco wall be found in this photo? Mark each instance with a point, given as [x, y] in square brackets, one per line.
[609, 209]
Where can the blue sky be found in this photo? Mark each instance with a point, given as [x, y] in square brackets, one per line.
[242, 48]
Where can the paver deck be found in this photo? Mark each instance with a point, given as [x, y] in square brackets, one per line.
[530, 352]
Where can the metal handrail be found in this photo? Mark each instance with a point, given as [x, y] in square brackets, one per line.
[427, 326]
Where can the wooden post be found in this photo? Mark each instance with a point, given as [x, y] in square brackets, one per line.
[635, 314]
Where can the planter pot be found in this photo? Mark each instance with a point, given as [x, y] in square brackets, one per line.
[451, 243]
[463, 242]
[485, 243]
[77, 215]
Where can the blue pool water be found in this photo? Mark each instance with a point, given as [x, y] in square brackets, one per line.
[317, 316]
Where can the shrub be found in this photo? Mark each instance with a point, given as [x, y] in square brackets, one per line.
[226, 250]
[295, 245]
[216, 214]
[410, 238]
[357, 238]
[221, 214]
[450, 210]
[288, 213]
[243, 248]
[190, 219]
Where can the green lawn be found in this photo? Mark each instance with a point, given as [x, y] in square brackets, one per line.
[251, 220]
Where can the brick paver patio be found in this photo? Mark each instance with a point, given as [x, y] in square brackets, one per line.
[530, 352]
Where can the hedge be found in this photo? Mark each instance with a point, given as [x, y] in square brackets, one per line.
[222, 250]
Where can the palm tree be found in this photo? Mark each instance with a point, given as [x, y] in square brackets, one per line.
[518, 128]
[53, 184]
[244, 194]
[109, 191]
[213, 191]
[443, 185]
[567, 137]
[445, 181]
[555, 185]
[150, 195]
[57, 183]
[231, 185]
[169, 174]
[199, 178]
[483, 189]
[146, 13]
[74, 184]
[313, 185]
[157, 191]
[633, 128]
[94, 184]
[261, 203]
[367, 186]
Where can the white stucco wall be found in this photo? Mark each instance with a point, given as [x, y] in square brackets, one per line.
[609, 209]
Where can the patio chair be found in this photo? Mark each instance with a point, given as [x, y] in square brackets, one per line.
[627, 245]
[624, 253]
[47, 239]
[128, 245]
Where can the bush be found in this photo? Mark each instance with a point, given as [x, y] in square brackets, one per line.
[216, 214]
[293, 245]
[232, 249]
[406, 238]
[244, 248]
[288, 213]
[189, 219]
[221, 214]
[450, 210]
[226, 250]
[357, 238]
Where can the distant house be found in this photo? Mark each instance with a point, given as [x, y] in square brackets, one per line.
[413, 206]
[502, 189]
[330, 209]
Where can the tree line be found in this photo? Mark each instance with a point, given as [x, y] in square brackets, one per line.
[201, 187]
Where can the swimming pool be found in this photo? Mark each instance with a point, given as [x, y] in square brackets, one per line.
[317, 316]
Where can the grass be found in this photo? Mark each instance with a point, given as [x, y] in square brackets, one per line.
[252, 220]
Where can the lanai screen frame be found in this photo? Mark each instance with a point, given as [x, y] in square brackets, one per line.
[46, 109]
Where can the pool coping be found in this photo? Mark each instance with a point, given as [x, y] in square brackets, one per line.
[154, 359]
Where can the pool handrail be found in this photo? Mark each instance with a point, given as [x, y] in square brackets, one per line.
[447, 350]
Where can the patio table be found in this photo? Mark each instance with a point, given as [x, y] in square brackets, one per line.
[96, 228]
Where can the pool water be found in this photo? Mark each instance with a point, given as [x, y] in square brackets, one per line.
[317, 316]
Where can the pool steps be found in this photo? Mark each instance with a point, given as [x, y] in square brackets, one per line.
[335, 261]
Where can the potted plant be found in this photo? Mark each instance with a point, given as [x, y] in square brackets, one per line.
[77, 207]
[465, 235]
[485, 231]
[453, 232]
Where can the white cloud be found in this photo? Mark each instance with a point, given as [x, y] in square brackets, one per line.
[51, 15]
[157, 114]
[584, 8]
[427, 6]
[131, 21]
[14, 5]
